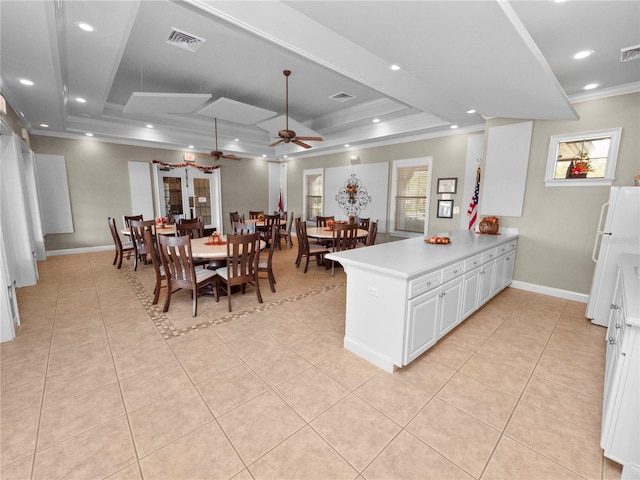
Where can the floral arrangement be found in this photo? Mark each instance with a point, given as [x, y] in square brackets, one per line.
[330, 223]
[581, 164]
[161, 221]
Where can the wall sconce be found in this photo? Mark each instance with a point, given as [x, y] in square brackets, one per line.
[354, 159]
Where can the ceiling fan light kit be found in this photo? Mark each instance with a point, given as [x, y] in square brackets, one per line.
[286, 135]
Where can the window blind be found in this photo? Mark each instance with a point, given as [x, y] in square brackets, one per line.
[411, 198]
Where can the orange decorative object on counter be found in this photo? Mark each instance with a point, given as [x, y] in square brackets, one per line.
[489, 225]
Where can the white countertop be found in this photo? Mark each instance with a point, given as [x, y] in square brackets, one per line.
[413, 257]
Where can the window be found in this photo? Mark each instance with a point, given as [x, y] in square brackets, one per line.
[410, 196]
[313, 187]
[587, 158]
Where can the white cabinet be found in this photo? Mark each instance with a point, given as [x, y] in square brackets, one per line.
[487, 275]
[422, 324]
[449, 311]
[620, 435]
[470, 288]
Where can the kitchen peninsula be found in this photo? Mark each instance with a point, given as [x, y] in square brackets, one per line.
[403, 296]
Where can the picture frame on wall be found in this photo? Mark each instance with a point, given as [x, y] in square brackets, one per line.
[445, 209]
[447, 185]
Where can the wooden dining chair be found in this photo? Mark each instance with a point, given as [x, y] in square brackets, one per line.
[180, 271]
[269, 222]
[127, 219]
[307, 250]
[241, 228]
[193, 230]
[345, 237]
[286, 233]
[370, 239]
[363, 223]
[154, 254]
[121, 248]
[254, 215]
[137, 237]
[265, 264]
[243, 255]
[322, 222]
[235, 217]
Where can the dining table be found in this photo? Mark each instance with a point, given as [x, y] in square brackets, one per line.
[168, 230]
[326, 233]
[204, 249]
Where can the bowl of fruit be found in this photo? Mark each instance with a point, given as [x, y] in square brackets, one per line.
[438, 240]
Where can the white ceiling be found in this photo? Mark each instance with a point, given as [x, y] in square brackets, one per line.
[503, 59]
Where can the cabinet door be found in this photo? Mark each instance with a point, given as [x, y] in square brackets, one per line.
[616, 323]
[487, 274]
[470, 285]
[508, 269]
[421, 331]
[498, 282]
[450, 296]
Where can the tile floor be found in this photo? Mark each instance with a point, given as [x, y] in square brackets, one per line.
[100, 384]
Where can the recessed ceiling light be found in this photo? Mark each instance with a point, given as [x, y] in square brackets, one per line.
[80, 100]
[236, 139]
[591, 86]
[85, 26]
[44, 125]
[453, 126]
[471, 111]
[190, 146]
[395, 67]
[376, 120]
[26, 82]
[149, 125]
[583, 54]
[286, 156]
[88, 134]
[264, 156]
[346, 145]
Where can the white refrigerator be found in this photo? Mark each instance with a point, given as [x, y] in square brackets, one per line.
[620, 233]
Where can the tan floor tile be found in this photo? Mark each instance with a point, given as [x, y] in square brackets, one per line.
[571, 374]
[464, 440]
[288, 330]
[137, 361]
[397, 399]
[197, 342]
[362, 438]
[408, 458]
[20, 470]
[243, 475]
[305, 455]
[24, 370]
[90, 355]
[74, 337]
[203, 453]
[202, 366]
[426, 374]
[131, 472]
[252, 348]
[77, 380]
[316, 347]
[513, 460]
[167, 419]
[481, 401]
[257, 426]
[509, 379]
[506, 350]
[138, 338]
[569, 445]
[348, 369]
[576, 407]
[279, 365]
[242, 327]
[20, 400]
[75, 415]
[18, 437]
[93, 454]
[311, 392]
[230, 389]
[449, 354]
[150, 385]
[611, 470]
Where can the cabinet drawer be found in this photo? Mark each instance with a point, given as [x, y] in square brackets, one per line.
[472, 262]
[452, 271]
[424, 284]
[507, 247]
[489, 255]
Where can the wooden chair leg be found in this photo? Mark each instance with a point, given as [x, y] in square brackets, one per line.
[194, 294]
[167, 300]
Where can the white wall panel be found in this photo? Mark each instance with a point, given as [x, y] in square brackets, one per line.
[54, 194]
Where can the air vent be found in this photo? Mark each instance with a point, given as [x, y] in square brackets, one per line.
[342, 97]
[184, 40]
[630, 53]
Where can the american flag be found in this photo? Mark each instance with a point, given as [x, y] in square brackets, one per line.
[280, 202]
[473, 206]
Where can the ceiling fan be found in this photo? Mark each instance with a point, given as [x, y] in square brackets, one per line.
[289, 136]
[217, 154]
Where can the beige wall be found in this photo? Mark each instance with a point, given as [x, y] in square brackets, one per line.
[557, 227]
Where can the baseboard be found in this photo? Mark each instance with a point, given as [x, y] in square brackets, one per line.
[73, 251]
[553, 292]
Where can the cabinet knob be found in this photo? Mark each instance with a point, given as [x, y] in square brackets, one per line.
[612, 341]
[618, 325]
[614, 306]
[428, 284]
[455, 271]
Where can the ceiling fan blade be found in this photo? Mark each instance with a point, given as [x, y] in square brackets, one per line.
[276, 143]
[315, 139]
[231, 156]
[301, 144]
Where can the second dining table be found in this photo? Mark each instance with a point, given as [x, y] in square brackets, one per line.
[326, 233]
